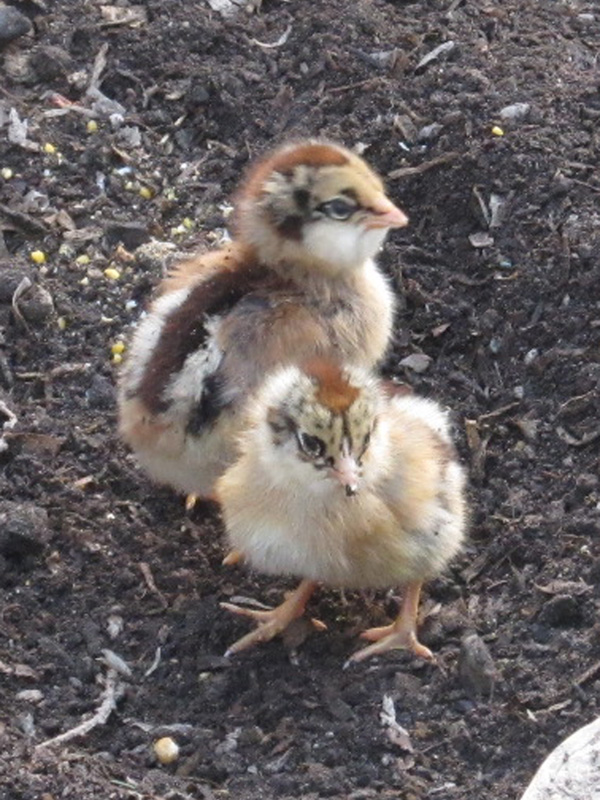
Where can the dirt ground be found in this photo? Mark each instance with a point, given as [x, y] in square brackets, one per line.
[497, 278]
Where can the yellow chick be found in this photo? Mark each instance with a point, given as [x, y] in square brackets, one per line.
[338, 482]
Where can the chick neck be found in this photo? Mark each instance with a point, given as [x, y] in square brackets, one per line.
[293, 261]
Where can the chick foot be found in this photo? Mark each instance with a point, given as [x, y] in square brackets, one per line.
[400, 635]
[275, 621]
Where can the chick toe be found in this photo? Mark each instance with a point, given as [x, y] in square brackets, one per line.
[274, 621]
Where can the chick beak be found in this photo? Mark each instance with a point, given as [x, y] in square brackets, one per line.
[348, 473]
[384, 214]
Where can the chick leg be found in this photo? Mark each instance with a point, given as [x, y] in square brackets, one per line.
[275, 621]
[400, 635]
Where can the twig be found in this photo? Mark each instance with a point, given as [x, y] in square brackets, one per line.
[98, 68]
[154, 666]
[112, 692]
[56, 372]
[586, 676]
[149, 578]
[498, 412]
[23, 287]
[408, 172]
[586, 184]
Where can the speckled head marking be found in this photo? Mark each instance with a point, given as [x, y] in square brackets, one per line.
[324, 416]
[286, 159]
[308, 182]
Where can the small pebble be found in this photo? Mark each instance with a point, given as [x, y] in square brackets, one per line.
[101, 392]
[24, 529]
[561, 611]
[166, 750]
[430, 132]
[129, 234]
[26, 724]
[12, 24]
[36, 305]
[30, 695]
[515, 112]
[531, 355]
[476, 665]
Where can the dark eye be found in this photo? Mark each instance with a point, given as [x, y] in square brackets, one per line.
[311, 445]
[338, 208]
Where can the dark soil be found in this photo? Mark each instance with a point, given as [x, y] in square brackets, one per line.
[93, 557]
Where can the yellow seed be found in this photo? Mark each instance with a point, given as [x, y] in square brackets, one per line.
[38, 256]
[49, 149]
[112, 273]
[188, 223]
[62, 323]
[497, 131]
[117, 358]
[83, 260]
[84, 281]
[117, 348]
[7, 173]
[129, 186]
[92, 126]
[166, 750]
[146, 193]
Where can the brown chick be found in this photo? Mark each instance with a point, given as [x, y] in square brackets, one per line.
[339, 482]
[298, 280]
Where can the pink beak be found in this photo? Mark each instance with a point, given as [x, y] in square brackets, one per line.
[384, 214]
[347, 472]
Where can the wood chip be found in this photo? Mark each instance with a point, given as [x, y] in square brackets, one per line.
[408, 172]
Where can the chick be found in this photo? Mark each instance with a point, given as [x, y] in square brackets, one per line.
[342, 483]
[298, 280]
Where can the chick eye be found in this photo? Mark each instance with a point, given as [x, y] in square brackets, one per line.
[311, 445]
[338, 208]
